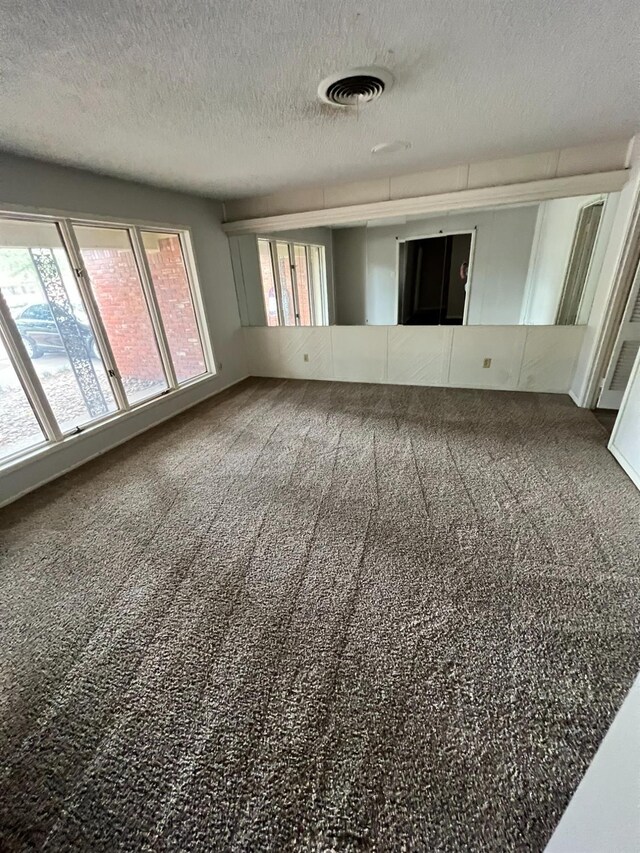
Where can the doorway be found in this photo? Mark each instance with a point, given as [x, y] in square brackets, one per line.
[625, 350]
[434, 280]
[584, 242]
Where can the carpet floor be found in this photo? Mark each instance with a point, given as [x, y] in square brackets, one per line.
[318, 617]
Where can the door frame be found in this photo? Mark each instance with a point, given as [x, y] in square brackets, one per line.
[613, 310]
[440, 233]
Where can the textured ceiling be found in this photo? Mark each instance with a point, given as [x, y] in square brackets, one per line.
[219, 96]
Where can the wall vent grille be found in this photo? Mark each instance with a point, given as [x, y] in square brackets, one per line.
[635, 311]
[624, 365]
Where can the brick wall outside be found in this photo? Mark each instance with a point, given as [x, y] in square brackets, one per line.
[117, 288]
[302, 287]
[174, 297]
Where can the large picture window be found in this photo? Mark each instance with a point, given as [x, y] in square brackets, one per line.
[94, 320]
[293, 283]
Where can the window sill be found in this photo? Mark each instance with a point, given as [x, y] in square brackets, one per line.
[41, 451]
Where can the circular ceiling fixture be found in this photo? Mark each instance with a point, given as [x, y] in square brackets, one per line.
[355, 87]
[391, 147]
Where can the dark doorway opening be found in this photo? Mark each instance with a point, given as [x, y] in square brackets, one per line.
[433, 280]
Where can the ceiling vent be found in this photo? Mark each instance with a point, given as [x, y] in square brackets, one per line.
[350, 89]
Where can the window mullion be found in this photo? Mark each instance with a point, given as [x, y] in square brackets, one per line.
[27, 375]
[294, 281]
[311, 296]
[93, 312]
[154, 308]
[273, 251]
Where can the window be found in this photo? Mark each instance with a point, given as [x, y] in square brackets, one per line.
[115, 282]
[173, 292]
[269, 292]
[19, 427]
[53, 327]
[94, 320]
[293, 279]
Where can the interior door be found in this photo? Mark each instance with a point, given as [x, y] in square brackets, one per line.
[625, 439]
[625, 351]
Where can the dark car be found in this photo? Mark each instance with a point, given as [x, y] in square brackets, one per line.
[40, 333]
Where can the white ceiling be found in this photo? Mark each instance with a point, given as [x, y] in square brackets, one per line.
[219, 96]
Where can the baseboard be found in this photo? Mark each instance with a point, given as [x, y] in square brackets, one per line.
[413, 385]
[118, 443]
[575, 399]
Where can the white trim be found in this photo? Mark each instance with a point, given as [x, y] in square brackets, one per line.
[625, 270]
[531, 191]
[631, 470]
[27, 375]
[70, 242]
[574, 397]
[50, 448]
[148, 289]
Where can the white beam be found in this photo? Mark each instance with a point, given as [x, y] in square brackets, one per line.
[523, 193]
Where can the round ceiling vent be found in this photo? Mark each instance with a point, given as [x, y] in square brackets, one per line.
[350, 89]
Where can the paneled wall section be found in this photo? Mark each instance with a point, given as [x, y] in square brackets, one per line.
[525, 358]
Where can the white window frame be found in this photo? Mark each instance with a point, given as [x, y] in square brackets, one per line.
[318, 312]
[53, 436]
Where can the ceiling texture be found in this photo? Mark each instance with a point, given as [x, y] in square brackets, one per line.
[219, 97]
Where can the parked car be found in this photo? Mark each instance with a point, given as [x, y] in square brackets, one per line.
[40, 334]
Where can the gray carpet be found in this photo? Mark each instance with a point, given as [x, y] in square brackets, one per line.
[319, 616]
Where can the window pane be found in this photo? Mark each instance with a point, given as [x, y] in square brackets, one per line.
[19, 428]
[316, 271]
[115, 282]
[171, 285]
[268, 283]
[41, 291]
[286, 285]
[302, 285]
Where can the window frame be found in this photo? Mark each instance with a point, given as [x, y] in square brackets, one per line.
[318, 312]
[53, 436]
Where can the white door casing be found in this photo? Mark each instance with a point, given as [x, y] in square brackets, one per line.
[625, 438]
[625, 350]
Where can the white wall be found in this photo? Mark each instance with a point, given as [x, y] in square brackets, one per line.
[28, 184]
[350, 274]
[601, 157]
[246, 269]
[525, 358]
[501, 261]
[595, 339]
[555, 230]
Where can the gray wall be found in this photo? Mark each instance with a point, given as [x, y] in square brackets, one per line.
[246, 269]
[29, 185]
[502, 251]
[350, 275]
